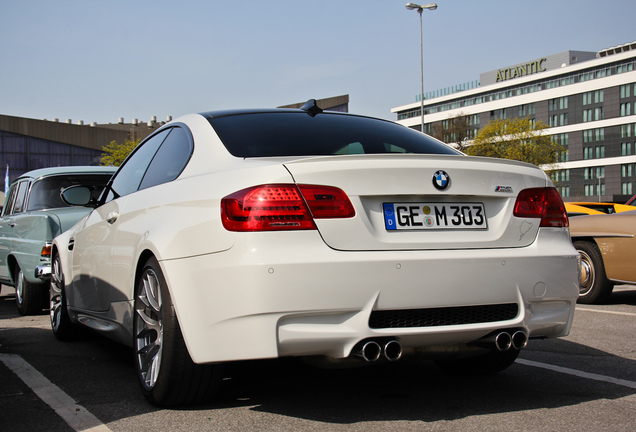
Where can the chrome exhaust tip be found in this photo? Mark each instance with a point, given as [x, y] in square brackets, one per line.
[519, 340]
[393, 350]
[503, 341]
[371, 351]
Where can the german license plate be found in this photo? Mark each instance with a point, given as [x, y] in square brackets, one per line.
[427, 216]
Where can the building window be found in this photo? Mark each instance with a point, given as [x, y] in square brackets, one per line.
[559, 103]
[599, 152]
[626, 109]
[598, 96]
[626, 170]
[587, 98]
[626, 188]
[626, 131]
[626, 91]
[527, 110]
[599, 134]
[587, 114]
[598, 113]
[565, 191]
[626, 149]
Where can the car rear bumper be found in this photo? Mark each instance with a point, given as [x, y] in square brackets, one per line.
[301, 298]
[43, 272]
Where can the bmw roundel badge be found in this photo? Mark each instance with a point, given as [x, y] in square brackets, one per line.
[441, 180]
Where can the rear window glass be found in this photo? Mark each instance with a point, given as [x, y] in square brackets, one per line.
[299, 134]
[45, 193]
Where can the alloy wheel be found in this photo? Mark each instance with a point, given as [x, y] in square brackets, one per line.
[588, 274]
[56, 294]
[149, 328]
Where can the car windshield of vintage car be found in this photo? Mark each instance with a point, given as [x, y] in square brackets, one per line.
[45, 193]
[268, 134]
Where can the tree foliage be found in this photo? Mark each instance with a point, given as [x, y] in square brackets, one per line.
[114, 154]
[519, 139]
[454, 130]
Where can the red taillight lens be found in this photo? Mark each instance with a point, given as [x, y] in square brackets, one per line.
[327, 202]
[282, 207]
[544, 203]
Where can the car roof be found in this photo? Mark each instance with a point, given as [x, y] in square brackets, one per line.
[46, 172]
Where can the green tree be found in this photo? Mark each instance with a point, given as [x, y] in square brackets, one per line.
[455, 130]
[114, 154]
[519, 139]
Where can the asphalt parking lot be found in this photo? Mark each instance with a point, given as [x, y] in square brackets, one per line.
[586, 381]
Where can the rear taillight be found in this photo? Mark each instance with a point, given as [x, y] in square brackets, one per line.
[543, 203]
[283, 207]
[46, 250]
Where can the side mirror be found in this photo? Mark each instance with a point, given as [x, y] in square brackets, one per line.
[77, 195]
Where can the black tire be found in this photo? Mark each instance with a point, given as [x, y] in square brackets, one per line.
[484, 364]
[62, 326]
[594, 286]
[167, 374]
[29, 298]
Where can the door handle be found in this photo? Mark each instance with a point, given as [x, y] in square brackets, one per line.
[112, 217]
[12, 224]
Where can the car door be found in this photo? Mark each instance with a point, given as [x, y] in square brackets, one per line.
[14, 206]
[92, 246]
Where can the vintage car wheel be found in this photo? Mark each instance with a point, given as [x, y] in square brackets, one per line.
[484, 364]
[594, 286]
[61, 324]
[167, 374]
[29, 297]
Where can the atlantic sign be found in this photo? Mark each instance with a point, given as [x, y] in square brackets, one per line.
[521, 70]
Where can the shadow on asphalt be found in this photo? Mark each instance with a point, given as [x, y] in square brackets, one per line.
[100, 375]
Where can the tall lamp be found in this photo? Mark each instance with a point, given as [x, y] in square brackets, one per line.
[419, 9]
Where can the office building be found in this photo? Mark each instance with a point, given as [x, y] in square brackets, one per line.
[588, 100]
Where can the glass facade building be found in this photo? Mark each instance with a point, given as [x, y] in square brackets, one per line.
[588, 101]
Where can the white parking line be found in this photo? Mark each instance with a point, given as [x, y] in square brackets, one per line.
[568, 371]
[76, 416]
[605, 311]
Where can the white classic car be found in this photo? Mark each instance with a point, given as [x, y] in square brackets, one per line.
[258, 234]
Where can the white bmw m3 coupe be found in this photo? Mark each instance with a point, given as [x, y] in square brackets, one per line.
[256, 234]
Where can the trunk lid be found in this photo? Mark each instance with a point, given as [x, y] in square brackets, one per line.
[476, 187]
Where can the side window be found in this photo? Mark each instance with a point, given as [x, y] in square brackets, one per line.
[8, 204]
[170, 160]
[19, 200]
[128, 178]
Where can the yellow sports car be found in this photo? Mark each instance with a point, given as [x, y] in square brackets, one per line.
[581, 208]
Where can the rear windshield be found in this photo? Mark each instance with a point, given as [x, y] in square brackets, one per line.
[45, 193]
[299, 134]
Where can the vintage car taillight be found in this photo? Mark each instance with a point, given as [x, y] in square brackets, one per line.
[544, 203]
[278, 207]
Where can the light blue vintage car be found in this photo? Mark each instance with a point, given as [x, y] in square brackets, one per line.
[33, 215]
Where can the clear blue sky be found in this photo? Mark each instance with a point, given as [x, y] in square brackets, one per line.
[98, 60]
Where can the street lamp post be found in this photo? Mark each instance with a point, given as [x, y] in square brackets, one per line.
[419, 9]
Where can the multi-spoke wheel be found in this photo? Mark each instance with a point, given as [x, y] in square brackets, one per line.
[29, 297]
[594, 286]
[148, 328]
[61, 324]
[167, 374]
